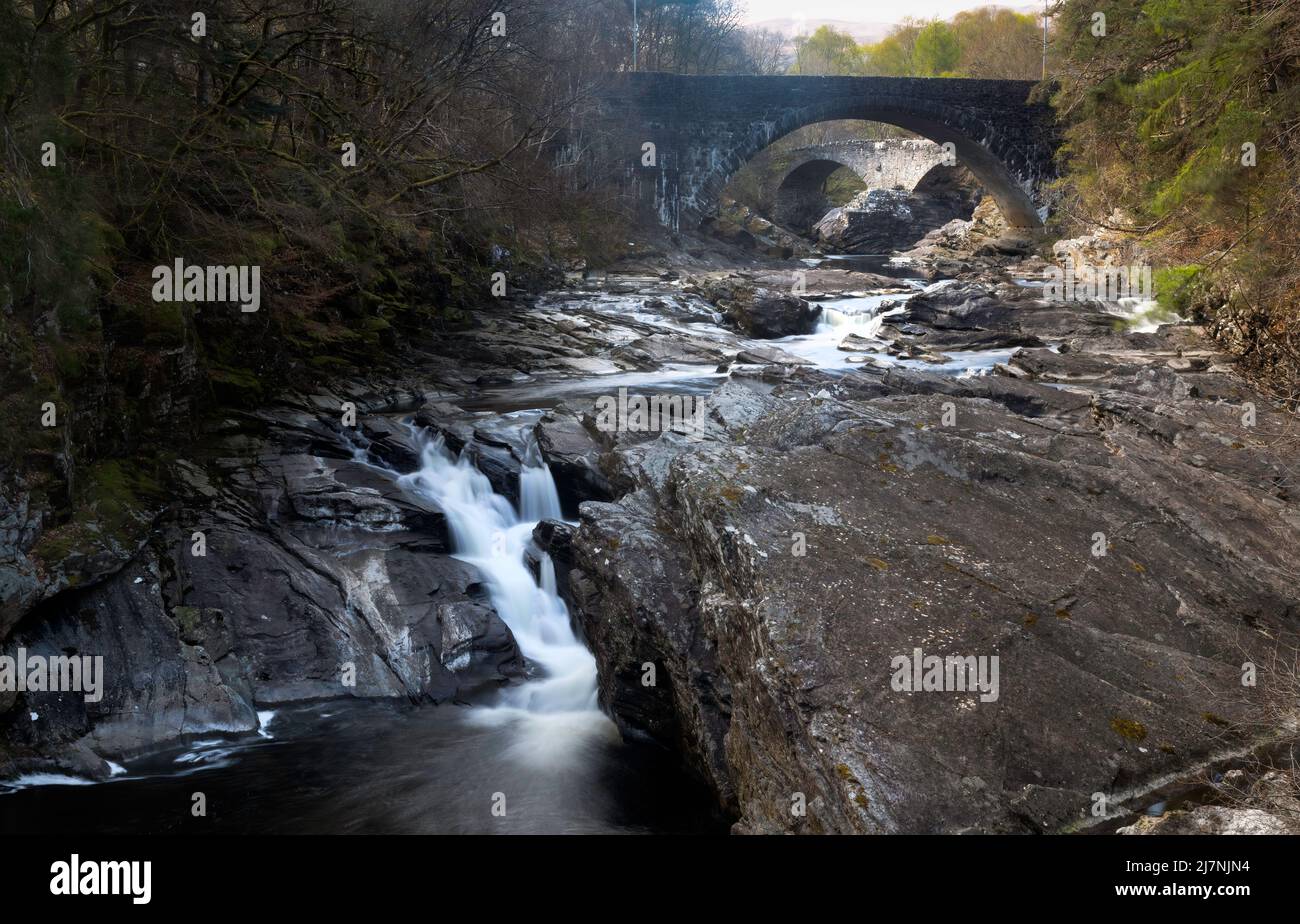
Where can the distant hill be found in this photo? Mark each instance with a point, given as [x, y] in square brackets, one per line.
[862, 32]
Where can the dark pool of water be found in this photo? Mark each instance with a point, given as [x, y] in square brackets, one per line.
[364, 768]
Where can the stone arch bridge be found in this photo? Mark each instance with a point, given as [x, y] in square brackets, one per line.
[705, 128]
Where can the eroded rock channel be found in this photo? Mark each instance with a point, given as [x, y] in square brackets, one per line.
[881, 465]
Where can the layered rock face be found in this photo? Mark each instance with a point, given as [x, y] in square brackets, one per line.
[981, 244]
[319, 577]
[1102, 520]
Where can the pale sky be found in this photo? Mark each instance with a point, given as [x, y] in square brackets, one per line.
[869, 10]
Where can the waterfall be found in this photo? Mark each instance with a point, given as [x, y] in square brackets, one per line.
[1142, 315]
[860, 315]
[489, 534]
[862, 322]
[538, 499]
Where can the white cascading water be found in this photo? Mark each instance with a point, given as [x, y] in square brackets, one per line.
[489, 534]
[1143, 315]
[865, 322]
[863, 316]
[854, 315]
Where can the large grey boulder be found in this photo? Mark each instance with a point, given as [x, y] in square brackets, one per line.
[760, 311]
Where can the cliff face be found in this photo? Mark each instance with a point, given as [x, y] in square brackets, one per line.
[1101, 520]
[89, 417]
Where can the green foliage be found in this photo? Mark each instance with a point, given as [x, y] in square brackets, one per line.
[828, 52]
[892, 56]
[1174, 287]
[937, 51]
[1191, 82]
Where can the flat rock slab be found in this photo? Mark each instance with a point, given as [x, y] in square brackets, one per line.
[775, 355]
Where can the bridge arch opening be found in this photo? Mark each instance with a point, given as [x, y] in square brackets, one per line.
[954, 186]
[810, 190]
[973, 161]
[757, 180]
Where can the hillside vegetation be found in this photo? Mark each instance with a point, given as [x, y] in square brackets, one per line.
[1183, 128]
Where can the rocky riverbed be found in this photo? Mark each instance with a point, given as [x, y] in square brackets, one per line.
[886, 462]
